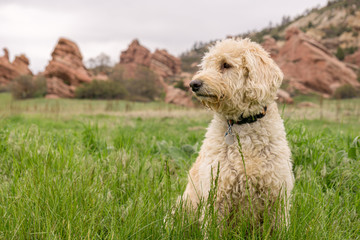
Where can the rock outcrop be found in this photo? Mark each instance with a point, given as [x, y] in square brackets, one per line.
[353, 58]
[178, 97]
[66, 70]
[270, 45]
[284, 97]
[9, 71]
[136, 54]
[162, 63]
[309, 67]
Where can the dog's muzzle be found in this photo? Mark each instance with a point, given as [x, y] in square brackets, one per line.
[196, 85]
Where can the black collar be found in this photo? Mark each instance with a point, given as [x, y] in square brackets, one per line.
[249, 119]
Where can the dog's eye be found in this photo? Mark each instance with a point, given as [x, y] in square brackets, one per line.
[225, 65]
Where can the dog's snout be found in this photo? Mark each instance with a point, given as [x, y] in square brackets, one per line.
[196, 84]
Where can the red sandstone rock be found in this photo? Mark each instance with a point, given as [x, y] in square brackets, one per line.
[9, 71]
[284, 97]
[161, 63]
[66, 70]
[310, 67]
[178, 97]
[21, 64]
[56, 86]
[164, 64]
[353, 58]
[136, 54]
[270, 46]
[307, 104]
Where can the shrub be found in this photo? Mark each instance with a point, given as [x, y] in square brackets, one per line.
[340, 54]
[27, 86]
[101, 90]
[346, 91]
[143, 86]
[180, 84]
[5, 88]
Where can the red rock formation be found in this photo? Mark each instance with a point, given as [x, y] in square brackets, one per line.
[9, 71]
[353, 58]
[66, 70]
[136, 54]
[21, 64]
[164, 64]
[284, 97]
[161, 63]
[310, 67]
[178, 97]
[270, 46]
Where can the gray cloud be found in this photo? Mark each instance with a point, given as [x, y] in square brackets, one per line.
[33, 27]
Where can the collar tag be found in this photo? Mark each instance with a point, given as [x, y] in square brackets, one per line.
[229, 136]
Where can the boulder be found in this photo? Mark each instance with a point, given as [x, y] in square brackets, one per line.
[56, 87]
[9, 71]
[66, 70]
[178, 97]
[310, 67]
[307, 105]
[284, 97]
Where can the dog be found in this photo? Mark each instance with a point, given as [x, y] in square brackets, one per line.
[245, 147]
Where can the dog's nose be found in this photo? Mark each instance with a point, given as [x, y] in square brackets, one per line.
[196, 85]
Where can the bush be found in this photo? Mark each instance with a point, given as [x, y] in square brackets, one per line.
[346, 91]
[27, 86]
[143, 86]
[101, 90]
[5, 88]
[340, 54]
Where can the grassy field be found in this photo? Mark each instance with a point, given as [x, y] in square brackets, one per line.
[72, 169]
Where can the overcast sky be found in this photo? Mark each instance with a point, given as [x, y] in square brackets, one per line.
[34, 26]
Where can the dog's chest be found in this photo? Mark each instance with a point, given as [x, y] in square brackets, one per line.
[234, 161]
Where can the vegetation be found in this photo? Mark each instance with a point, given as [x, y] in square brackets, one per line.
[346, 91]
[100, 64]
[76, 171]
[341, 53]
[101, 90]
[142, 86]
[27, 86]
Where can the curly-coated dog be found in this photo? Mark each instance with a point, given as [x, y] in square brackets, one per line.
[245, 146]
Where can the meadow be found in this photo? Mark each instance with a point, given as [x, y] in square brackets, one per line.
[81, 169]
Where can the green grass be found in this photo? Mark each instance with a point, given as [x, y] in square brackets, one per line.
[71, 173]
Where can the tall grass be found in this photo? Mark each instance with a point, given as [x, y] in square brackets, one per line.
[118, 177]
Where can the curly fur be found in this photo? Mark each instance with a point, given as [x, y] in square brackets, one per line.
[249, 84]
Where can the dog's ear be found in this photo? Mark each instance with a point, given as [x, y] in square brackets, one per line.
[262, 76]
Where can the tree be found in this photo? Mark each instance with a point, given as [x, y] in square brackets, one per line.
[99, 64]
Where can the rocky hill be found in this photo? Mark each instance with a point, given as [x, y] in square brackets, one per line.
[318, 51]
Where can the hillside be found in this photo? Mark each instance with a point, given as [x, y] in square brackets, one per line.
[333, 29]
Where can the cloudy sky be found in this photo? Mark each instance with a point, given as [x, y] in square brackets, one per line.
[34, 26]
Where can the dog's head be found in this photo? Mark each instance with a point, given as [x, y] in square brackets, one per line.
[237, 77]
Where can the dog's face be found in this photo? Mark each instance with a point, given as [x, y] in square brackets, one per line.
[237, 77]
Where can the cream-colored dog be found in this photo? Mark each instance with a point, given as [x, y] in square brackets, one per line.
[238, 81]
